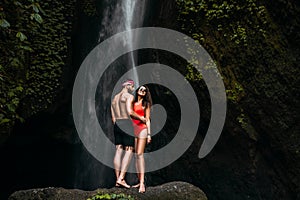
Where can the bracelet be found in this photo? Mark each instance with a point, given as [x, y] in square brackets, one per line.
[148, 134]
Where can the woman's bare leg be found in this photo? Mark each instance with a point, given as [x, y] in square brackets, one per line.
[140, 148]
[136, 163]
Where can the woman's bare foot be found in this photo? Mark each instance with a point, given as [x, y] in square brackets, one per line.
[142, 188]
[136, 186]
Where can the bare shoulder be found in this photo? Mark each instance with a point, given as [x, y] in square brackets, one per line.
[116, 97]
[128, 95]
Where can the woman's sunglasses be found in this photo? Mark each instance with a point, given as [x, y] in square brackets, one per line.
[143, 89]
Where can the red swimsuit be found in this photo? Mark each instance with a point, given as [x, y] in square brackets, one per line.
[137, 124]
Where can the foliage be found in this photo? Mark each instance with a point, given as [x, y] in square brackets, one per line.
[120, 196]
[256, 47]
[220, 25]
[246, 45]
[34, 39]
[88, 7]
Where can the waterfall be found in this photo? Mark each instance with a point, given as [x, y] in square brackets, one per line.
[123, 16]
[117, 16]
[129, 6]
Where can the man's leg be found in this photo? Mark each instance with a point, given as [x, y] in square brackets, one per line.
[124, 166]
[117, 160]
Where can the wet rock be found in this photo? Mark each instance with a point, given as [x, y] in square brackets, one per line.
[172, 190]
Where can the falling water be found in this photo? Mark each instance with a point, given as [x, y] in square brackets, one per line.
[117, 16]
[129, 6]
[124, 16]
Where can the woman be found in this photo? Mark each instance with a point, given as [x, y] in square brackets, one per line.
[141, 106]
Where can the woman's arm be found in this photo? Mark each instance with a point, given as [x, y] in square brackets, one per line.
[147, 116]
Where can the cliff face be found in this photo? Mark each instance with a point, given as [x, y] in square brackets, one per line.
[256, 47]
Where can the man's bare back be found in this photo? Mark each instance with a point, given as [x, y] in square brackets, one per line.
[119, 104]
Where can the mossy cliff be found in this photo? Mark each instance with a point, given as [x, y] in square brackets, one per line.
[255, 45]
[35, 55]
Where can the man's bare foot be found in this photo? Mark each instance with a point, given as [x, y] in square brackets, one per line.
[121, 182]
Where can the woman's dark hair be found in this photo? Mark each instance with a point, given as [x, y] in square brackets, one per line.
[147, 100]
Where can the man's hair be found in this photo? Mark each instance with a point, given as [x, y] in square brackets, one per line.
[128, 82]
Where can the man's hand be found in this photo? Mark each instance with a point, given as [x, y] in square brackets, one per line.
[143, 119]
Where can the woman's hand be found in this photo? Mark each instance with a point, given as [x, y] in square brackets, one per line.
[148, 139]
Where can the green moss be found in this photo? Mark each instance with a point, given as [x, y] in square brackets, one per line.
[89, 7]
[235, 93]
[241, 38]
[100, 195]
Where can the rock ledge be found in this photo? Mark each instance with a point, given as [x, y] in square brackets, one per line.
[172, 190]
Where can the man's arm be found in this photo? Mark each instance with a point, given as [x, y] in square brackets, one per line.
[113, 117]
[130, 111]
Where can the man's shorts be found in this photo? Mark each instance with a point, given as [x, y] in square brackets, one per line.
[123, 131]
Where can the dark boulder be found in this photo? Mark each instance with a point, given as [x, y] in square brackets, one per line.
[172, 190]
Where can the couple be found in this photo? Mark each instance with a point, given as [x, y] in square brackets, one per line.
[131, 115]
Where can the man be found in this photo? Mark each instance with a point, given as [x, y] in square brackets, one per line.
[121, 111]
